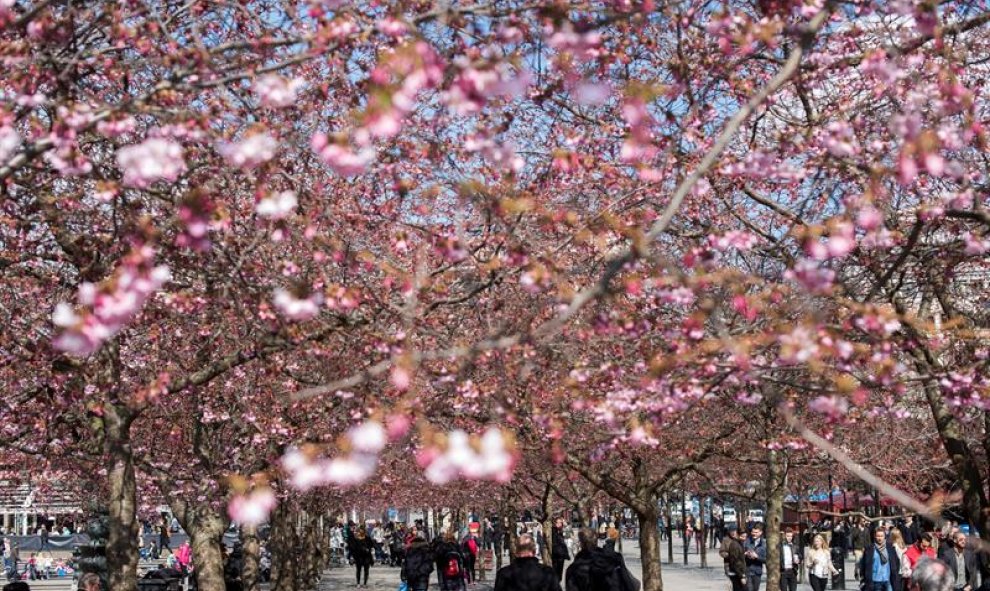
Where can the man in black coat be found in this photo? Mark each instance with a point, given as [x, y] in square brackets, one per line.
[558, 548]
[526, 573]
[418, 564]
[961, 561]
[597, 569]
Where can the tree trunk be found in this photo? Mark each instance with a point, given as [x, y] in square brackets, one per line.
[252, 556]
[122, 551]
[649, 550]
[284, 551]
[206, 537]
[547, 525]
[775, 511]
[703, 532]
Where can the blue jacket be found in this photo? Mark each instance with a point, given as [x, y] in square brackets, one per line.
[754, 566]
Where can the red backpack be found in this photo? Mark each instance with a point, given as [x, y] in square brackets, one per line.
[453, 567]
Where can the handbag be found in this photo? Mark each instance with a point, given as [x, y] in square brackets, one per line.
[403, 586]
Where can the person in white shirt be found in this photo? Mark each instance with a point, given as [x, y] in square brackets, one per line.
[819, 563]
[790, 560]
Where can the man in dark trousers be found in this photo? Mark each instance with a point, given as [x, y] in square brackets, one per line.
[961, 561]
[790, 561]
[731, 552]
[526, 573]
[755, 551]
[558, 548]
[880, 568]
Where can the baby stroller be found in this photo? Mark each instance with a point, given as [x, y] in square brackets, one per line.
[396, 552]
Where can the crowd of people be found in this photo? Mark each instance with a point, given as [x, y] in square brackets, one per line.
[888, 556]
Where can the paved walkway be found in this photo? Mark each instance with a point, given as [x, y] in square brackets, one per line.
[676, 576]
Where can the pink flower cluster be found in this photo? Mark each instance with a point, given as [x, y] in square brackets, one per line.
[250, 152]
[799, 346]
[341, 157]
[834, 407]
[840, 140]
[364, 442]
[737, 239]
[152, 160]
[277, 206]
[479, 81]
[104, 309]
[10, 141]
[252, 508]
[840, 242]
[278, 92]
[638, 145]
[499, 155]
[812, 276]
[584, 45]
[491, 457]
[296, 308]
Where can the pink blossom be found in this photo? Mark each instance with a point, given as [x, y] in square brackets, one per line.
[117, 127]
[589, 94]
[493, 460]
[834, 407]
[975, 245]
[368, 437]
[103, 310]
[840, 140]
[869, 218]
[499, 155]
[295, 308]
[812, 276]
[397, 426]
[152, 160]
[401, 378]
[10, 141]
[277, 206]
[392, 27]
[342, 159]
[737, 239]
[583, 45]
[253, 508]
[478, 82]
[799, 346]
[278, 92]
[251, 151]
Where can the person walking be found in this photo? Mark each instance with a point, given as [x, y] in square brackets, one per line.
[790, 561]
[163, 540]
[880, 566]
[897, 541]
[734, 558]
[819, 564]
[558, 549]
[363, 553]
[233, 569]
[450, 562]
[418, 565]
[755, 550]
[961, 561]
[470, 546]
[526, 573]
[597, 569]
[860, 539]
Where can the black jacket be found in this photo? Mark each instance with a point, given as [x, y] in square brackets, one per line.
[526, 574]
[362, 550]
[418, 565]
[794, 550]
[599, 570]
[947, 554]
[558, 548]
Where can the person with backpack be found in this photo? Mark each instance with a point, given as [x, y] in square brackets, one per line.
[598, 569]
[732, 554]
[418, 564]
[470, 546]
[526, 573]
[450, 563]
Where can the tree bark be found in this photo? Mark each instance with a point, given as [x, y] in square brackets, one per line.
[775, 512]
[206, 538]
[284, 552]
[122, 551]
[649, 550]
[252, 556]
[546, 506]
